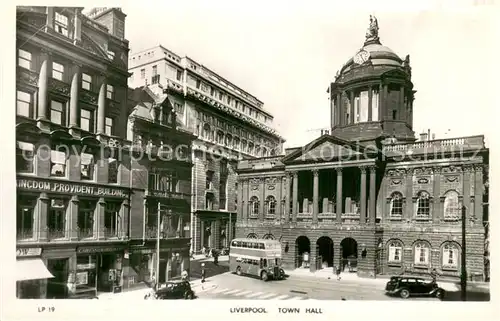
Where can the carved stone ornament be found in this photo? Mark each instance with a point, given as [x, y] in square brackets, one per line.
[478, 167]
[372, 31]
[271, 180]
[28, 77]
[88, 96]
[113, 142]
[423, 180]
[452, 178]
[468, 168]
[452, 169]
[397, 172]
[422, 171]
[395, 182]
[59, 86]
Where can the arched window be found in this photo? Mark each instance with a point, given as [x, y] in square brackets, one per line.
[257, 150]
[423, 205]
[271, 205]
[268, 237]
[206, 131]
[220, 137]
[450, 256]
[264, 152]
[254, 205]
[452, 206]
[236, 143]
[422, 252]
[397, 204]
[251, 236]
[229, 140]
[395, 249]
[250, 148]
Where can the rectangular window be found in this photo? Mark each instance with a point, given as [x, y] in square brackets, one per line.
[212, 91]
[163, 181]
[198, 84]
[85, 220]
[24, 59]
[112, 170]
[57, 71]
[58, 158]
[108, 126]
[25, 216]
[23, 105]
[222, 194]
[155, 70]
[394, 114]
[209, 181]
[87, 120]
[110, 92]
[61, 24]
[87, 166]
[25, 157]
[56, 220]
[143, 73]
[179, 75]
[112, 219]
[57, 112]
[220, 96]
[86, 81]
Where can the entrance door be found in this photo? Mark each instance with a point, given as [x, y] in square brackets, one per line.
[57, 286]
[162, 277]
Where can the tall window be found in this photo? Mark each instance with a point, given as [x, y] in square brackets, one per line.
[375, 99]
[143, 73]
[24, 105]
[56, 220]
[395, 251]
[110, 92]
[108, 126]
[397, 204]
[58, 158]
[25, 216]
[422, 252]
[163, 181]
[24, 59]
[452, 206]
[25, 157]
[423, 205]
[85, 220]
[450, 256]
[198, 84]
[207, 132]
[271, 205]
[87, 120]
[222, 193]
[209, 201]
[209, 179]
[61, 24]
[179, 75]
[86, 81]
[112, 219]
[57, 71]
[112, 171]
[254, 205]
[87, 166]
[220, 137]
[58, 112]
[155, 70]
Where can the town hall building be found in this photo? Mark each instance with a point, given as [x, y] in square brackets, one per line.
[367, 195]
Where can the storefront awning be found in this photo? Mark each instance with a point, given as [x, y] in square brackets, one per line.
[31, 269]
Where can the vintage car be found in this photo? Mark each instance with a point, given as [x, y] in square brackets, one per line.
[173, 290]
[406, 286]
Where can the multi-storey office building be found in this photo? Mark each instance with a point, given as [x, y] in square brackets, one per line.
[73, 198]
[228, 122]
[369, 196]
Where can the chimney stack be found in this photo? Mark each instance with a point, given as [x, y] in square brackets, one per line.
[423, 136]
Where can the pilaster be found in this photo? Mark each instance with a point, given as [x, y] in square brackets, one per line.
[72, 218]
[363, 218]
[373, 195]
[315, 195]
[339, 195]
[295, 201]
[41, 217]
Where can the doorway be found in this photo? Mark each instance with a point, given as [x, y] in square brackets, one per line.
[162, 275]
[57, 286]
[324, 247]
[349, 254]
[302, 252]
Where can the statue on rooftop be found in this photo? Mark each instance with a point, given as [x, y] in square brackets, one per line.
[372, 32]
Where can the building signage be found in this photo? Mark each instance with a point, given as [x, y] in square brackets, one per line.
[150, 251]
[168, 195]
[70, 188]
[87, 266]
[98, 249]
[36, 251]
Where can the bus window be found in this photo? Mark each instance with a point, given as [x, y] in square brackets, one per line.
[276, 261]
[244, 244]
[233, 243]
[261, 246]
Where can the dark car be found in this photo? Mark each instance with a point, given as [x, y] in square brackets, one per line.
[406, 286]
[175, 290]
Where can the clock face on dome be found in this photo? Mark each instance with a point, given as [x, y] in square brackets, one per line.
[361, 57]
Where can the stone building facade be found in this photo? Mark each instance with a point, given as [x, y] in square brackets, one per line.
[368, 196]
[229, 124]
[72, 197]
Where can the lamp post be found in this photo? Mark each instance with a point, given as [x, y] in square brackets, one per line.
[463, 274]
[158, 247]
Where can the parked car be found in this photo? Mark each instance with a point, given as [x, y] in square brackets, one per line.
[406, 286]
[175, 290]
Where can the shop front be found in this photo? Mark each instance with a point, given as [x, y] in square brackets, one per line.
[31, 274]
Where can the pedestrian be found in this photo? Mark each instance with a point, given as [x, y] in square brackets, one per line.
[434, 275]
[216, 257]
[185, 275]
[338, 273]
[202, 272]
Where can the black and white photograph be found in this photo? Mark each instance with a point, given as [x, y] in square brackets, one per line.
[260, 159]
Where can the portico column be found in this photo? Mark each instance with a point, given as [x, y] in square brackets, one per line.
[351, 113]
[43, 83]
[101, 108]
[278, 209]
[384, 99]
[99, 220]
[373, 196]
[73, 99]
[295, 201]
[370, 98]
[363, 217]
[315, 195]
[401, 102]
[339, 194]
[338, 121]
[123, 227]
[287, 197]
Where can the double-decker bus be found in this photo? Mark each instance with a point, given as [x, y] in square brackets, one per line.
[258, 257]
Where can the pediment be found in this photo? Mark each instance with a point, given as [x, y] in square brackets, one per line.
[395, 73]
[326, 149]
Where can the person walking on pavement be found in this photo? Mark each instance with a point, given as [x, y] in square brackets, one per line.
[202, 275]
[337, 271]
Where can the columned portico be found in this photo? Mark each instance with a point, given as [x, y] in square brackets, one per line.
[295, 201]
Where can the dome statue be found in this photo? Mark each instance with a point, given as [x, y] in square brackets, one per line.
[372, 31]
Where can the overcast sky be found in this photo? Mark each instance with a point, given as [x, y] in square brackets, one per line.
[287, 53]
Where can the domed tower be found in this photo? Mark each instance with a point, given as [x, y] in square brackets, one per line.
[372, 95]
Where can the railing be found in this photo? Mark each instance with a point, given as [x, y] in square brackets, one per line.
[24, 234]
[55, 233]
[470, 141]
[155, 79]
[85, 233]
[152, 233]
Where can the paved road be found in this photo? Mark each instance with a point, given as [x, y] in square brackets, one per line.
[229, 286]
